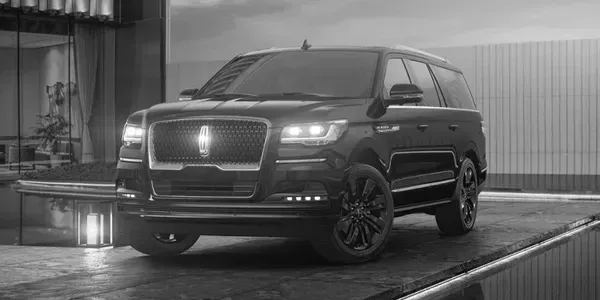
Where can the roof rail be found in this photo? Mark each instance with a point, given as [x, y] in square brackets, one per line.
[406, 48]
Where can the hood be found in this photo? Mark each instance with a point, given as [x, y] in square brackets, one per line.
[274, 110]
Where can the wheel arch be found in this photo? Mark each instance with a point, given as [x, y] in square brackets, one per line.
[366, 152]
[471, 151]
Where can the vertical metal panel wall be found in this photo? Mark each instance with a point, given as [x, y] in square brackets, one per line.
[540, 101]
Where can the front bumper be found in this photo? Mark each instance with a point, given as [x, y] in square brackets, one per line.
[276, 183]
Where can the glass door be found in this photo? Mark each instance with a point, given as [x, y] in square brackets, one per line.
[10, 214]
[48, 125]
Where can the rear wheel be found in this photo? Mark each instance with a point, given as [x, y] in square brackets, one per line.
[159, 244]
[365, 222]
[458, 217]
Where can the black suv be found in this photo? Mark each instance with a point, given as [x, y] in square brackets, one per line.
[325, 144]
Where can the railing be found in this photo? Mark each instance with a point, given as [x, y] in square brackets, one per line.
[64, 189]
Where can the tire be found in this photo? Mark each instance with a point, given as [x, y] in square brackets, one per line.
[458, 217]
[365, 223]
[152, 244]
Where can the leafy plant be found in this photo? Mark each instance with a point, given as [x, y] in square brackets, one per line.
[59, 203]
[90, 172]
[51, 127]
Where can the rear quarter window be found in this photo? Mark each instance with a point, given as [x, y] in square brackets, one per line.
[454, 88]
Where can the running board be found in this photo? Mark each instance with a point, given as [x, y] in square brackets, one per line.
[422, 205]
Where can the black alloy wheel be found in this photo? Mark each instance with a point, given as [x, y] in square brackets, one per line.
[364, 214]
[468, 194]
[365, 220]
[459, 216]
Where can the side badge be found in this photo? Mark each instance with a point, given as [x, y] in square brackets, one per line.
[384, 128]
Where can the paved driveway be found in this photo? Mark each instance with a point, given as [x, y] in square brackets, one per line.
[260, 268]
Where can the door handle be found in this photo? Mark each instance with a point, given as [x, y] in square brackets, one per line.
[453, 127]
[422, 127]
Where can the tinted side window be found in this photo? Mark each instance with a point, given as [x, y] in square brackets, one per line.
[455, 88]
[395, 73]
[425, 82]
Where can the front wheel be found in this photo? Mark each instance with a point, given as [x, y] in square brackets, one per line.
[365, 221]
[158, 243]
[458, 217]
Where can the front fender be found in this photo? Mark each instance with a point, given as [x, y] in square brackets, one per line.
[370, 151]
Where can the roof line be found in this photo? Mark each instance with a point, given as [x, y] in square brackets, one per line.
[425, 53]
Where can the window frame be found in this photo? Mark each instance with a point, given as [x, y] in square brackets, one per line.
[468, 88]
[441, 99]
[389, 57]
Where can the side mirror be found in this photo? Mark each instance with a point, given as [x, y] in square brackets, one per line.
[187, 94]
[405, 93]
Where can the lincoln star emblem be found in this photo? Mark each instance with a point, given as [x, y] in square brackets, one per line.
[203, 141]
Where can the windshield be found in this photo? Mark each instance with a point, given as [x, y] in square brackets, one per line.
[317, 73]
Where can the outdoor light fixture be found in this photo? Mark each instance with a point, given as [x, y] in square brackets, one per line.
[56, 6]
[95, 229]
[30, 4]
[100, 9]
[94, 223]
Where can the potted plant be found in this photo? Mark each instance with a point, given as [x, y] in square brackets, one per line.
[61, 213]
[51, 127]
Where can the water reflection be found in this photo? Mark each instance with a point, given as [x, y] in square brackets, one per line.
[10, 215]
[35, 221]
[47, 221]
[566, 272]
[472, 292]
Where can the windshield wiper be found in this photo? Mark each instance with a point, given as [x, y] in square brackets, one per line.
[229, 95]
[296, 94]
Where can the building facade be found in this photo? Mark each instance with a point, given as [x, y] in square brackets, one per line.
[59, 65]
[71, 72]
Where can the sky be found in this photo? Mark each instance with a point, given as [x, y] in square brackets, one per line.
[209, 30]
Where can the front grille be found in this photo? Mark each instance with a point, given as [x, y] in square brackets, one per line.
[233, 143]
[197, 189]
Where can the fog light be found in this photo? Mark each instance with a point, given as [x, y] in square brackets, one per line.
[129, 195]
[121, 184]
[305, 198]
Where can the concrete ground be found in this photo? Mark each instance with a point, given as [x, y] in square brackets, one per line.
[259, 268]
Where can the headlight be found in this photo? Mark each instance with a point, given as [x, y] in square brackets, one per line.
[132, 134]
[314, 134]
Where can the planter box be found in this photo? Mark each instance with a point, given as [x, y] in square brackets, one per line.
[81, 192]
